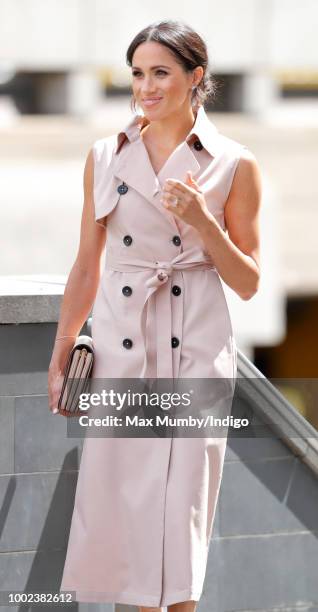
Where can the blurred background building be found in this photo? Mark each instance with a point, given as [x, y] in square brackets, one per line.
[64, 83]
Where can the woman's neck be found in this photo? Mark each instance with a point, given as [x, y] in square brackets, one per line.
[171, 130]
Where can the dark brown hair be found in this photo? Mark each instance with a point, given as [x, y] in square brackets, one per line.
[188, 48]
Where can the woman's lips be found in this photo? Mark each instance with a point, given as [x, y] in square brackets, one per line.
[151, 101]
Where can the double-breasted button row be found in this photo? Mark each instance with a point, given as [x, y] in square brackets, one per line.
[127, 240]
[128, 343]
[127, 291]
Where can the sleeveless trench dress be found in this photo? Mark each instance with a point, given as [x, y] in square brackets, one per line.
[144, 507]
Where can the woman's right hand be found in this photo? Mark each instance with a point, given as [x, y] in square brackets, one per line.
[56, 371]
[55, 383]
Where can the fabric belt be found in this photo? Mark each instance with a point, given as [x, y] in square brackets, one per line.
[160, 285]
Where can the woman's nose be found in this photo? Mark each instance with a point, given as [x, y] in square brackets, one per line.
[147, 86]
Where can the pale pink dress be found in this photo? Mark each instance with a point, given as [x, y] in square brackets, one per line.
[144, 507]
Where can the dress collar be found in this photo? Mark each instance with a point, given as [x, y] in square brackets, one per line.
[203, 129]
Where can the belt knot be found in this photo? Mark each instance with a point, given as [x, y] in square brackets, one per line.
[163, 271]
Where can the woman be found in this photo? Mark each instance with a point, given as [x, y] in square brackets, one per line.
[164, 191]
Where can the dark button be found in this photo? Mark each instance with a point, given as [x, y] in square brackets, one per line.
[127, 343]
[127, 240]
[197, 145]
[176, 290]
[127, 290]
[122, 189]
[176, 240]
[174, 342]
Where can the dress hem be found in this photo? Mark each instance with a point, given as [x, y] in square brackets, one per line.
[133, 599]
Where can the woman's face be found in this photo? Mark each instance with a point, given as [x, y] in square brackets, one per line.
[159, 83]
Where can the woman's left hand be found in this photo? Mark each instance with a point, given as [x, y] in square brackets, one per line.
[185, 200]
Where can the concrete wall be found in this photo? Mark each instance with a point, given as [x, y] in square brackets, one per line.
[264, 548]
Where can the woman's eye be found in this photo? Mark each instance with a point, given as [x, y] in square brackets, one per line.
[137, 72]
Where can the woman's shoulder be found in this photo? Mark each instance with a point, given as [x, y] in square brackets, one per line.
[104, 147]
[237, 151]
[229, 145]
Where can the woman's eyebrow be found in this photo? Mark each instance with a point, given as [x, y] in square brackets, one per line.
[152, 67]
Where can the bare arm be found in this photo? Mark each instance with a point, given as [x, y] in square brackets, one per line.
[236, 256]
[82, 284]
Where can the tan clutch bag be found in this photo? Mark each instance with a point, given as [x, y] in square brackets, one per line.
[77, 373]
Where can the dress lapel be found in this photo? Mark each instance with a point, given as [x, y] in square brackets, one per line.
[132, 164]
